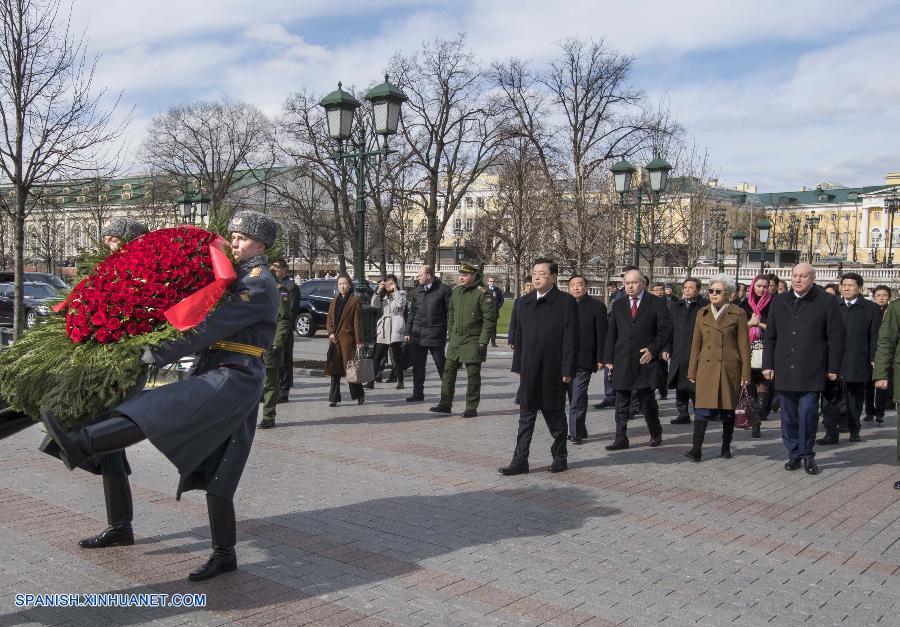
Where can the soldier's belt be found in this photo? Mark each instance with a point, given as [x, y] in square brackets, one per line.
[238, 347]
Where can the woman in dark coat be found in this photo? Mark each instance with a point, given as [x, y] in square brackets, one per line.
[759, 298]
[720, 363]
[344, 324]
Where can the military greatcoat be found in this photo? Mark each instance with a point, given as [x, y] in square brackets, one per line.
[471, 321]
[205, 423]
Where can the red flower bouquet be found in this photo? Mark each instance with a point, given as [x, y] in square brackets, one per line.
[156, 286]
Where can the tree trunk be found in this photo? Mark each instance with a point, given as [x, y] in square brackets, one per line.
[19, 266]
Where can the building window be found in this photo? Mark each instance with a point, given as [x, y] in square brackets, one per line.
[876, 216]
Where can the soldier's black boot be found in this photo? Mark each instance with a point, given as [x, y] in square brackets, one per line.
[222, 527]
[697, 443]
[119, 514]
[727, 434]
[106, 436]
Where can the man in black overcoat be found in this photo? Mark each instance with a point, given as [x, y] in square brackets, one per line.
[545, 358]
[862, 319]
[639, 330]
[684, 315]
[804, 344]
[592, 325]
[204, 424]
[427, 327]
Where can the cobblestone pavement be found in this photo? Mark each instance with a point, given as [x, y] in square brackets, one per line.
[384, 513]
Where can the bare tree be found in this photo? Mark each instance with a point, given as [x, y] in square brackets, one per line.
[48, 234]
[453, 127]
[521, 210]
[602, 118]
[204, 144]
[53, 122]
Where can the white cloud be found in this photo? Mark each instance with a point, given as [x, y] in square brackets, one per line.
[779, 126]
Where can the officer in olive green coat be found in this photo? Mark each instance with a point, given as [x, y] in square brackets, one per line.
[471, 322]
[276, 358]
[887, 355]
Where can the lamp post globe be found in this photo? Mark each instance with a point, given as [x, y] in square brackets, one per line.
[659, 174]
[763, 225]
[340, 107]
[623, 173]
[737, 240]
[387, 100]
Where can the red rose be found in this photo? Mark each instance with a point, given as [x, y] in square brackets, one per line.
[101, 335]
[98, 319]
[113, 323]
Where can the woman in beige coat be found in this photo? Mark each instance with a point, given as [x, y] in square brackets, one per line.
[720, 363]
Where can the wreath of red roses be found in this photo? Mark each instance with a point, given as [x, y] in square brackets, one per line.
[131, 291]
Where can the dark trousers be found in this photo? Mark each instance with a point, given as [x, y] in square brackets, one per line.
[682, 398]
[556, 423]
[286, 368]
[419, 357]
[380, 359]
[662, 379]
[334, 394]
[877, 401]
[855, 394]
[578, 402]
[644, 398]
[799, 421]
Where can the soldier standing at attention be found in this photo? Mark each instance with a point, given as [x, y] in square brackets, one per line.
[471, 322]
[284, 333]
[287, 286]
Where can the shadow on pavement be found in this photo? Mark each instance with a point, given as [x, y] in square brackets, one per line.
[324, 552]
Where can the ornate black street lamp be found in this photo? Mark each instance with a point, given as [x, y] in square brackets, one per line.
[763, 226]
[340, 109]
[812, 223]
[191, 206]
[891, 206]
[737, 241]
[623, 173]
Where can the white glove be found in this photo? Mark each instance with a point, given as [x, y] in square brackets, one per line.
[147, 356]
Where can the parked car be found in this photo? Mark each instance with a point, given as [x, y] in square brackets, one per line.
[315, 297]
[38, 298]
[7, 276]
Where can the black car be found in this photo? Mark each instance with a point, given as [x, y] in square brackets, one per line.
[38, 299]
[7, 276]
[315, 297]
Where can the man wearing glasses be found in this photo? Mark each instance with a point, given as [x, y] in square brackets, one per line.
[639, 330]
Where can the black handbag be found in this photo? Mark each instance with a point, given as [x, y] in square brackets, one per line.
[747, 413]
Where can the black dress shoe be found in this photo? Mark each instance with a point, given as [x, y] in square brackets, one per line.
[576, 440]
[221, 561]
[810, 466]
[265, 424]
[513, 469]
[854, 437]
[869, 418]
[332, 404]
[361, 400]
[827, 440]
[559, 465]
[370, 385]
[114, 535]
[654, 442]
[793, 464]
[440, 409]
[399, 386]
[604, 404]
[681, 420]
[879, 420]
[695, 454]
[414, 398]
[897, 486]
[618, 445]
[469, 413]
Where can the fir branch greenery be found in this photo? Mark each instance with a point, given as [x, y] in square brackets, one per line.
[44, 368]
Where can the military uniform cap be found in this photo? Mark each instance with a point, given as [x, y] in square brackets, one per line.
[254, 224]
[126, 229]
[468, 267]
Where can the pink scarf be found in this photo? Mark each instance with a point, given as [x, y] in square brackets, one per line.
[757, 306]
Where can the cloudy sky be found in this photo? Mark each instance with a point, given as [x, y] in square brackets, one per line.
[783, 93]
